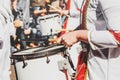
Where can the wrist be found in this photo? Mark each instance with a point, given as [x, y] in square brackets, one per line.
[82, 35]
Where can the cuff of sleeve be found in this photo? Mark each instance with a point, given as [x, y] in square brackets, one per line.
[90, 40]
[101, 40]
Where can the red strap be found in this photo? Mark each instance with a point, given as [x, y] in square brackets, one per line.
[80, 10]
[82, 64]
[66, 75]
[116, 36]
[68, 5]
[66, 21]
[81, 67]
[64, 26]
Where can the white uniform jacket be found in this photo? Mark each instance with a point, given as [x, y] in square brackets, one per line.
[103, 23]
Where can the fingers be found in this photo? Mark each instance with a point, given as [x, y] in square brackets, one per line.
[63, 40]
[59, 40]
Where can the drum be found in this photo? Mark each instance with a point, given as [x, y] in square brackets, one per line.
[49, 24]
[39, 63]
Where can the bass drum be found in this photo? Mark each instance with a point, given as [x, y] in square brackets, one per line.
[39, 63]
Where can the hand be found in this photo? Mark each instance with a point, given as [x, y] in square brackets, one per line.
[68, 39]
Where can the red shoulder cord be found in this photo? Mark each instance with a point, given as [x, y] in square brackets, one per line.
[82, 64]
[66, 21]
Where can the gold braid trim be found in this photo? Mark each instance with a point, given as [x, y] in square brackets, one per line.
[84, 24]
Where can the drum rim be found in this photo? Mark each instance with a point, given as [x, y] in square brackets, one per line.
[38, 54]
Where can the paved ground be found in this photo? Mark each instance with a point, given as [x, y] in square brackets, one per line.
[12, 73]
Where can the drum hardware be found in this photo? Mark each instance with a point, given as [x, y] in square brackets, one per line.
[23, 60]
[64, 66]
[24, 63]
[48, 60]
[12, 61]
[67, 56]
[73, 76]
[51, 31]
[71, 62]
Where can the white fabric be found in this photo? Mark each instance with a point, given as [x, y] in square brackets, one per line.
[104, 57]
[25, 13]
[4, 52]
[74, 51]
[74, 19]
[75, 5]
[6, 27]
[73, 23]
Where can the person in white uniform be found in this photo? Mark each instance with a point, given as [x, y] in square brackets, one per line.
[72, 22]
[6, 29]
[102, 33]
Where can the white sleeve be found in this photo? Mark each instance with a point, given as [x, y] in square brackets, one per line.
[104, 39]
[101, 39]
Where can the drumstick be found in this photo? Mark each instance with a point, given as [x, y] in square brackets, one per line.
[60, 30]
[56, 9]
[52, 40]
